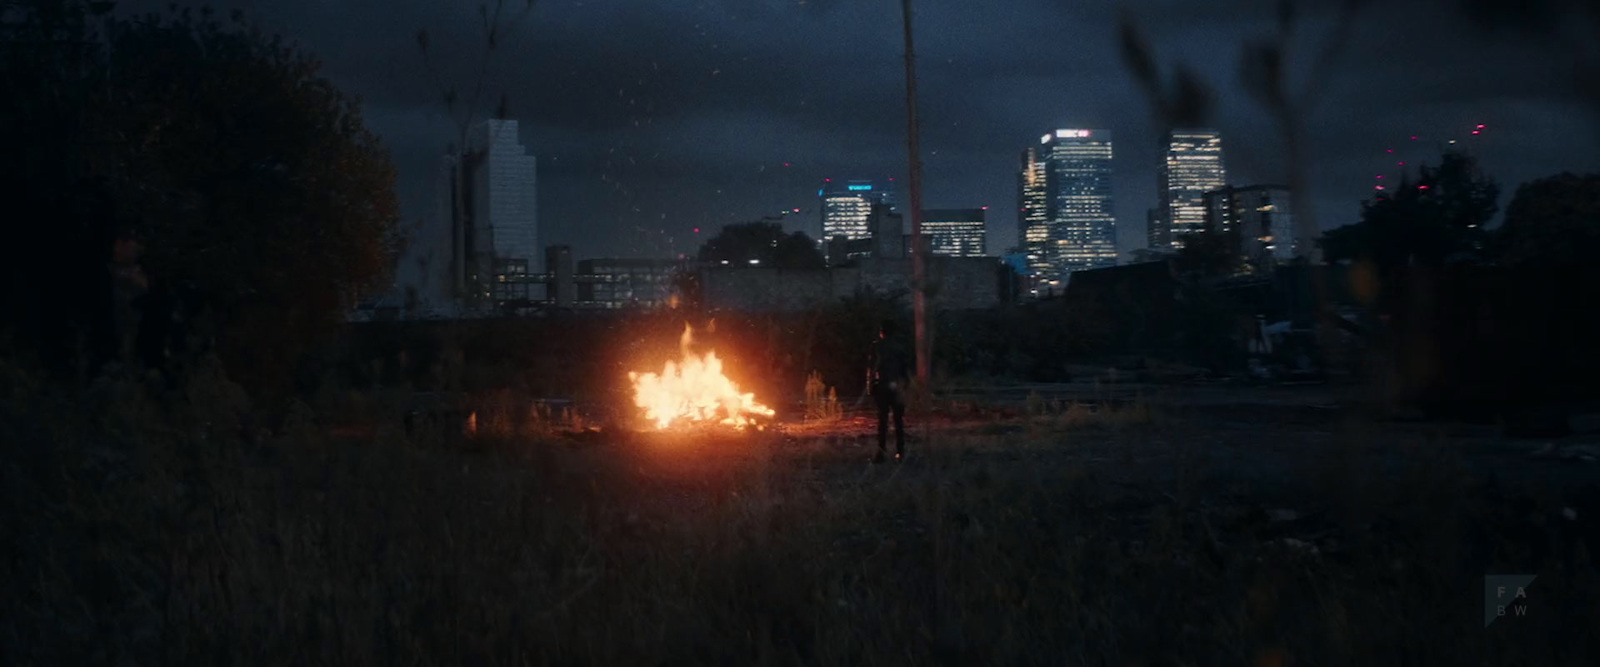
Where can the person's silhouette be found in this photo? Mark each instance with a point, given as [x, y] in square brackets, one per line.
[889, 377]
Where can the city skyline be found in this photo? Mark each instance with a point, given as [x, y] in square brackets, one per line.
[701, 135]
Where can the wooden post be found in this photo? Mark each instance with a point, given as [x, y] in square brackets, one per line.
[919, 289]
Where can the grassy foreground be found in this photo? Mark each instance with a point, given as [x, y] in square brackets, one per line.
[169, 529]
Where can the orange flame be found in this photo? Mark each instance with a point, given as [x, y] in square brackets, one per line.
[694, 390]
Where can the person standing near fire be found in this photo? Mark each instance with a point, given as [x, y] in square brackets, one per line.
[888, 380]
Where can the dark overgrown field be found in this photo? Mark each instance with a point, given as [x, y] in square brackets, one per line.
[170, 529]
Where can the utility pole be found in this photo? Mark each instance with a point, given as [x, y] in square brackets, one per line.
[919, 311]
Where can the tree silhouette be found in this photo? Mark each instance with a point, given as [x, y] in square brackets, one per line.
[1211, 254]
[1552, 221]
[763, 242]
[207, 165]
[1438, 218]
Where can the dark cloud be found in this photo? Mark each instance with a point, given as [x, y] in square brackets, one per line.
[655, 116]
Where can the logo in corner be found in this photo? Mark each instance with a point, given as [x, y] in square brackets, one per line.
[1505, 595]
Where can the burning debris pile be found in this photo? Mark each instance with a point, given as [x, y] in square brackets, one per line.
[693, 390]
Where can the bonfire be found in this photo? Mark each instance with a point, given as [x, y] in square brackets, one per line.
[693, 391]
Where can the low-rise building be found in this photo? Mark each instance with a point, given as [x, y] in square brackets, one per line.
[627, 283]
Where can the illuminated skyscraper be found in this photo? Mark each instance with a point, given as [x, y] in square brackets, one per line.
[1193, 167]
[959, 232]
[846, 208]
[1033, 232]
[1081, 222]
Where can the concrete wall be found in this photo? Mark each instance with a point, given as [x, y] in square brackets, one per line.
[760, 289]
[959, 283]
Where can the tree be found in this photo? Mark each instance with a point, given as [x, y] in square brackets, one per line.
[1438, 218]
[59, 224]
[763, 242]
[241, 186]
[1553, 221]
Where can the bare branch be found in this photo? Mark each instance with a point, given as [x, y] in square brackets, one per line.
[1137, 54]
[1190, 105]
[1332, 48]
[1261, 72]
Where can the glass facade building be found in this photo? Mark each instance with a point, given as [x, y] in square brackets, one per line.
[493, 214]
[1193, 167]
[1077, 181]
[961, 232]
[1033, 215]
[627, 283]
[846, 208]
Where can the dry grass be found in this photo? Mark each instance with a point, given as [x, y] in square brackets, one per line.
[148, 536]
[821, 401]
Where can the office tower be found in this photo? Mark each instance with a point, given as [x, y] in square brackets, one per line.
[888, 233]
[1081, 222]
[1260, 218]
[1157, 234]
[491, 200]
[1033, 230]
[1193, 167]
[846, 208]
[961, 232]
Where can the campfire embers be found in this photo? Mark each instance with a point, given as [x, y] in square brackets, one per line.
[693, 391]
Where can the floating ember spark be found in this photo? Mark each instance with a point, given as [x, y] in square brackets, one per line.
[694, 390]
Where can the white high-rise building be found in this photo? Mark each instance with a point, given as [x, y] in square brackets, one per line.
[494, 220]
[1081, 221]
[1193, 167]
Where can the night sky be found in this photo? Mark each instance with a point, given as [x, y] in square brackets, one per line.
[651, 117]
